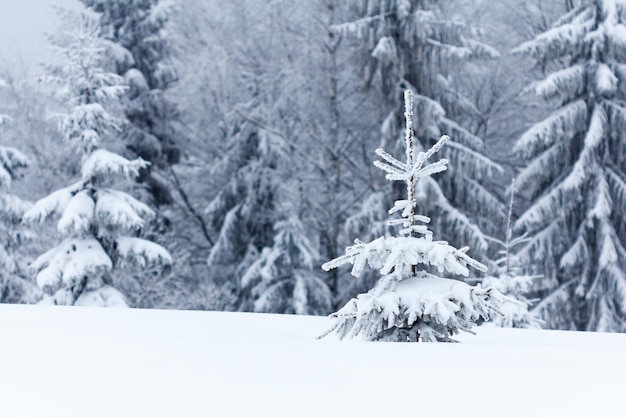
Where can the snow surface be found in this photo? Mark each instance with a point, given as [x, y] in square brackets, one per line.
[73, 361]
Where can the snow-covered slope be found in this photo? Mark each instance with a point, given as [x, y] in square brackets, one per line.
[72, 361]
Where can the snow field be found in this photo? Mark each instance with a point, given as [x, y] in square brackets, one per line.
[62, 361]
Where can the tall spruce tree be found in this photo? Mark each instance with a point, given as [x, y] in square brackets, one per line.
[93, 220]
[410, 44]
[576, 173]
[243, 214]
[140, 47]
[262, 254]
[263, 187]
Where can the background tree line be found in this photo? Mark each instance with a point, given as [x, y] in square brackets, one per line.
[259, 121]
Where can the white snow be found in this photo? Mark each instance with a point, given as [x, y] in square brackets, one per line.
[567, 121]
[105, 296]
[394, 253]
[77, 216]
[565, 83]
[51, 205]
[72, 361]
[73, 125]
[12, 206]
[606, 81]
[385, 51]
[117, 210]
[141, 252]
[69, 261]
[104, 164]
[135, 79]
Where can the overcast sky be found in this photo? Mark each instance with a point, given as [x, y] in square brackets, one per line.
[22, 27]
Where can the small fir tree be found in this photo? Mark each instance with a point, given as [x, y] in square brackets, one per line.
[94, 220]
[409, 303]
[508, 279]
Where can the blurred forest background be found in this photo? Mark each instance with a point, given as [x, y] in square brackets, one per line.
[260, 120]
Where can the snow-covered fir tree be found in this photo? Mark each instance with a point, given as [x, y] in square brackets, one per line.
[242, 213]
[411, 44]
[508, 278]
[261, 140]
[140, 43]
[282, 279]
[99, 225]
[139, 46]
[262, 255]
[576, 173]
[408, 303]
[14, 284]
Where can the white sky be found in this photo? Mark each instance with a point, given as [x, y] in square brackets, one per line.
[23, 24]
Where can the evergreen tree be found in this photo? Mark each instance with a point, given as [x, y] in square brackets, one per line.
[14, 286]
[139, 46]
[282, 280]
[271, 132]
[243, 212]
[93, 220]
[407, 303]
[410, 44]
[262, 255]
[576, 174]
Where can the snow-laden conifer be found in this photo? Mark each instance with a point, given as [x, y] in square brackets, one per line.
[262, 254]
[93, 220]
[138, 45]
[13, 284]
[409, 303]
[243, 211]
[282, 279]
[576, 173]
[411, 45]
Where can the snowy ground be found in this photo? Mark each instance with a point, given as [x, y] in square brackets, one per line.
[57, 361]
